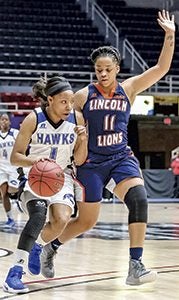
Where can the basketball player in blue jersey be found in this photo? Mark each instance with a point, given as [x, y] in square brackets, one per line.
[8, 174]
[53, 131]
[106, 108]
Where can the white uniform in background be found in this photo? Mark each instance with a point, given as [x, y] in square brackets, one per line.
[8, 173]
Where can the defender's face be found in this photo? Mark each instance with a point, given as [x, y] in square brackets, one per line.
[106, 70]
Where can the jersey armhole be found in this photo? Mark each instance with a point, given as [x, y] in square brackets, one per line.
[36, 114]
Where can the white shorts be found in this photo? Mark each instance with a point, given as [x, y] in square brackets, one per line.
[10, 178]
[68, 195]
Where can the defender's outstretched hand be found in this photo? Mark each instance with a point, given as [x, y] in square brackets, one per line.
[165, 21]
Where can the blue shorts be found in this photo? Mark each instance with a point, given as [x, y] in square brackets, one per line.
[95, 176]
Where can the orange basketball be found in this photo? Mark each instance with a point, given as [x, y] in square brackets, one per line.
[46, 178]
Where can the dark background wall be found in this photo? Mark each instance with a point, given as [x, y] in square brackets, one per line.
[152, 141]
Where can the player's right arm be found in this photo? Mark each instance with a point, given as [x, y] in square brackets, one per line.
[81, 147]
[79, 98]
[18, 155]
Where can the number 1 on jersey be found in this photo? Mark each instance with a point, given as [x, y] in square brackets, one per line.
[53, 153]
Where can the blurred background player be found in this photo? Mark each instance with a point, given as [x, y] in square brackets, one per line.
[8, 173]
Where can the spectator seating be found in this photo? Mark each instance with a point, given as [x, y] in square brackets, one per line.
[24, 101]
[44, 35]
[139, 26]
[48, 35]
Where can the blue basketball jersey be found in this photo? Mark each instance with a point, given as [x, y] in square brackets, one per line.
[110, 159]
[107, 120]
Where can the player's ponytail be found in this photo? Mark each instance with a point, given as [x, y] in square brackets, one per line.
[38, 90]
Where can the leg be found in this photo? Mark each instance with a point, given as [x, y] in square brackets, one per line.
[88, 211]
[7, 204]
[136, 200]
[87, 217]
[5, 197]
[59, 216]
[13, 193]
[37, 210]
[136, 230]
[13, 186]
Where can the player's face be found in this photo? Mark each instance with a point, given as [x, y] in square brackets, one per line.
[61, 104]
[4, 123]
[106, 70]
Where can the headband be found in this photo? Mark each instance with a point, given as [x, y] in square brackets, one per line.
[58, 88]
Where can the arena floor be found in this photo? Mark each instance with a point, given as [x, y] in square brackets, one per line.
[94, 266]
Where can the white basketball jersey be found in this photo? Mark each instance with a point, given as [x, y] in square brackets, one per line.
[7, 140]
[55, 141]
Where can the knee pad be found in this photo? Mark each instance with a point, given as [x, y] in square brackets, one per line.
[136, 202]
[37, 210]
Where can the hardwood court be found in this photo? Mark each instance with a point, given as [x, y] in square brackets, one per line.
[94, 267]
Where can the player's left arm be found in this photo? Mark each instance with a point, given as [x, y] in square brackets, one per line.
[139, 83]
[81, 146]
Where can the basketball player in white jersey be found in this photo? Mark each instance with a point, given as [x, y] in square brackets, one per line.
[52, 131]
[8, 173]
